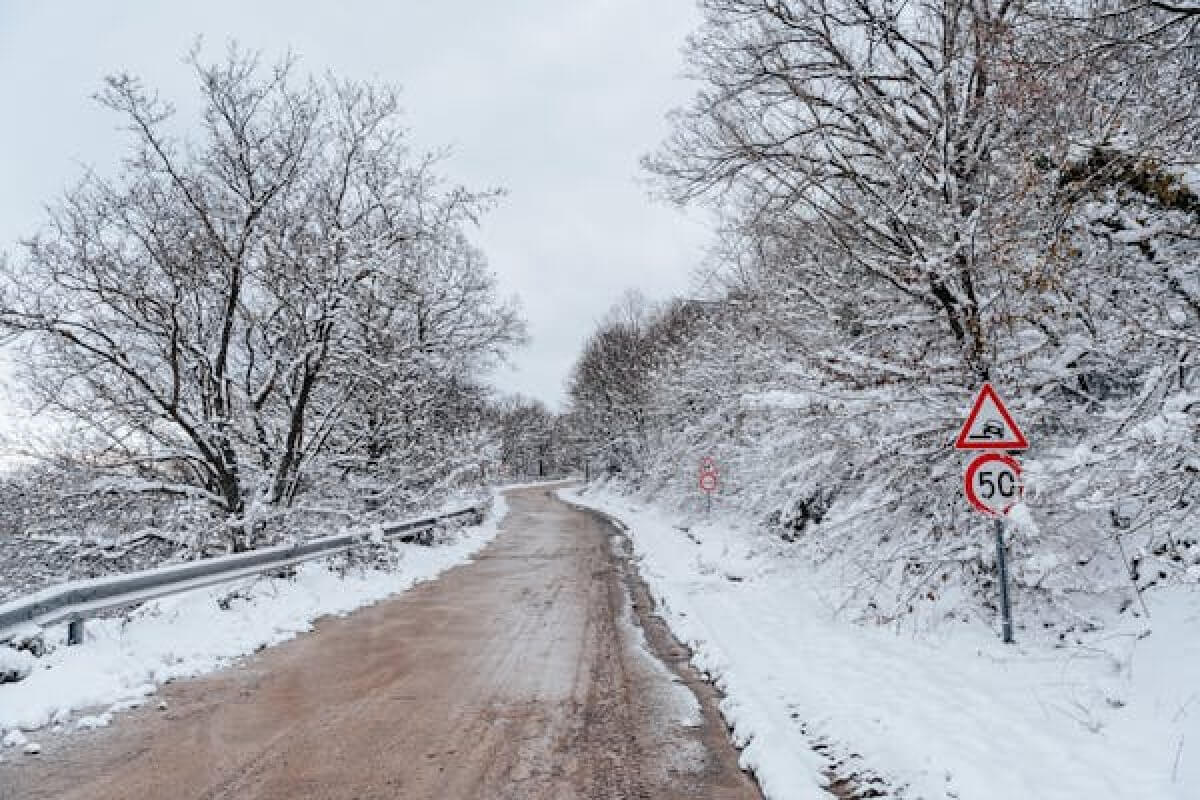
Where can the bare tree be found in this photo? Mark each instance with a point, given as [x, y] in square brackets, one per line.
[211, 315]
[533, 440]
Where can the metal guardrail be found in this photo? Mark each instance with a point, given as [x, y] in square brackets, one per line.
[77, 600]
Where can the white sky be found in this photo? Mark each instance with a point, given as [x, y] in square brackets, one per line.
[554, 100]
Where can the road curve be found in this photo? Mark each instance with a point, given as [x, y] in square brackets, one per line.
[525, 674]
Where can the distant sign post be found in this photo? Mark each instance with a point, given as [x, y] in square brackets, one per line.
[708, 480]
[992, 482]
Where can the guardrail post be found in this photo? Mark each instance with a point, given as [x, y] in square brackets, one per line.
[75, 631]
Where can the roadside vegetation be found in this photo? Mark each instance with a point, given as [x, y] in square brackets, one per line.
[263, 322]
[916, 199]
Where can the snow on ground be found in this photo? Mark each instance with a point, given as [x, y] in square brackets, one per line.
[677, 704]
[955, 714]
[14, 665]
[123, 660]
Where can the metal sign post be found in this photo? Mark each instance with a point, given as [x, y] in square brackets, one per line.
[992, 485]
[1002, 569]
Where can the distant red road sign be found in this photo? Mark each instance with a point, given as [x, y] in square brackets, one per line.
[708, 474]
[989, 426]
[992, 483]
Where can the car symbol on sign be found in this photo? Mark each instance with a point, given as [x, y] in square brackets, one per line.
[991, 430]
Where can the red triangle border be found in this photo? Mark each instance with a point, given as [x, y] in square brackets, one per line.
[1018, 443]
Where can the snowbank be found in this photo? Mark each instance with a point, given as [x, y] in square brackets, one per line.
[14, 665]
[124, 660]
[955, 714]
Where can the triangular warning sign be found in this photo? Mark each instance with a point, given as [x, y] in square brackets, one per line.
[989, 426]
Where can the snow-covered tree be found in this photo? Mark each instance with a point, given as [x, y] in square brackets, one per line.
[917, 198]
[533, 439]
[227, 312]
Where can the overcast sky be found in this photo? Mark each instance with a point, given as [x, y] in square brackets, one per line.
[554, 101]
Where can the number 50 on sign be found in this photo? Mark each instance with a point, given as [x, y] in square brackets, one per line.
[993, 483]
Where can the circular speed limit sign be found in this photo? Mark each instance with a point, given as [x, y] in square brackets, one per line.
[993, 483]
